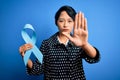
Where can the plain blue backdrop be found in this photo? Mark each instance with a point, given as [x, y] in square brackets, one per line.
[104, 32]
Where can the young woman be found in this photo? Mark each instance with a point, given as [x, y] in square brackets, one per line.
[63, 52]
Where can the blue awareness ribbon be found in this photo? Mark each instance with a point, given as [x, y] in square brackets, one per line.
[31, 40]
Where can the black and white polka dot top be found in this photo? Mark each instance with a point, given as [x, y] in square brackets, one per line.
[61, 62]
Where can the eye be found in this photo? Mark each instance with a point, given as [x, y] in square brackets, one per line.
[70, 21]
[60, 20]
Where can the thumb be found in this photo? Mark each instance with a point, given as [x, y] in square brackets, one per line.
[22, 54]
[68, 36]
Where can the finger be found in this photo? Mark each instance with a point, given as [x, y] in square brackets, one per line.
[22, 54]
[25, 47]
[82, 21]
[85, 23]
[21, 50]
[79, 20]
[76, 22]
[28, 46]
[68, 36]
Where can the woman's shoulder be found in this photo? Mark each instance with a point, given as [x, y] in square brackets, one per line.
[51, 39]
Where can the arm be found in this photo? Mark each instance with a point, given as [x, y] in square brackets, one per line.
[90, 50]
[91, 59]
[33, 68]
[22, 51]
[80, 35]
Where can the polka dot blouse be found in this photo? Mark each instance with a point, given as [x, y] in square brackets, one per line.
[61, 62]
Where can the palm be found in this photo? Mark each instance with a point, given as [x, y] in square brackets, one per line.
[80, 35]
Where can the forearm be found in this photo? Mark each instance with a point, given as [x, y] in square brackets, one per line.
[30, 63]
[90, 50]
[34, 68]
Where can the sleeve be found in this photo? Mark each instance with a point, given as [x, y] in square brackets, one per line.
[37, 67]
[92, 60]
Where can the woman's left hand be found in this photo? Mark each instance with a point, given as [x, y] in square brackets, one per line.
[80, 34]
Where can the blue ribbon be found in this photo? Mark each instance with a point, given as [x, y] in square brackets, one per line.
[32, 40]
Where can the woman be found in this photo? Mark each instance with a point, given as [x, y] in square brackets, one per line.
[63, 52]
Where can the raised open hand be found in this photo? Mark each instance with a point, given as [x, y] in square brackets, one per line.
[80, 34]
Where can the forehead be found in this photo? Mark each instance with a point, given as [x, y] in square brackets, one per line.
[64, 15]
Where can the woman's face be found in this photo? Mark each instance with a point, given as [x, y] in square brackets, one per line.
[65, 23]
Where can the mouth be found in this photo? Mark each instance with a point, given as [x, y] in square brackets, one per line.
[65, 30]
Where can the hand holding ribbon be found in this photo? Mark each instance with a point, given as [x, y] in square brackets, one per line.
[32, 40]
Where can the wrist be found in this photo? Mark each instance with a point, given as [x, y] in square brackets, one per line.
[85, 45]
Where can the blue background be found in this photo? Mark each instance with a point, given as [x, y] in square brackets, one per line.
[103, 25]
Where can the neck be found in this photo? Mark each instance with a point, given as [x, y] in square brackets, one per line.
[63, 39]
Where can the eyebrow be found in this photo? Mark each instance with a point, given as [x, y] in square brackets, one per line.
[64, 19]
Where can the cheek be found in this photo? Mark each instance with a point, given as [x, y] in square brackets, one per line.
[59, 25]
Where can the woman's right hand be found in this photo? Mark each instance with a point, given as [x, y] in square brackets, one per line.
[24, 48]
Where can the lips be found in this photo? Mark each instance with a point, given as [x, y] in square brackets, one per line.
[65, 29]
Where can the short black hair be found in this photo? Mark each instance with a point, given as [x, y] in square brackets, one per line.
[70, 11]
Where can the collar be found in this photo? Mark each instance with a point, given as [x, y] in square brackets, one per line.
[54, 41]
[61, 42]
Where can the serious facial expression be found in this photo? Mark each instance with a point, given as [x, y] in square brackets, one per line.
[65, 23]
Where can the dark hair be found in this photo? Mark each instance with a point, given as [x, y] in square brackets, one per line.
[70, 11]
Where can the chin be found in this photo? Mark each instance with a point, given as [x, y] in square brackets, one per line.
[65, 32]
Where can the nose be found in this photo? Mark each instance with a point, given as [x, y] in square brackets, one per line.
[65, 24]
